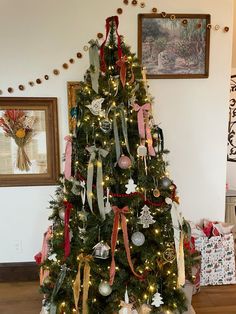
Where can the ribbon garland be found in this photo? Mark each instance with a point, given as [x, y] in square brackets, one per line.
[94, 64]
[109, 20]
[68, 153]
[83, 261]
[68, 207]
[177, 223]
[44, 253]
[143, 126]
[120, 218]
[99, 152]
[120, 109]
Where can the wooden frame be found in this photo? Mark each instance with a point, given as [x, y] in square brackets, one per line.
[72, 87]
[174, 45]
[46, 143]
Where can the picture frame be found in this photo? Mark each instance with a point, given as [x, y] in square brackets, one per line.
[174, 45]
[72, 87]
[231, 149]
[29, 141]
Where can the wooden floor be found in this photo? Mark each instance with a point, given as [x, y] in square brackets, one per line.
[24, 298]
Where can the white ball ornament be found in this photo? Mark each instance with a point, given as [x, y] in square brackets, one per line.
[138, 238]
[61, 214]
[104, 288]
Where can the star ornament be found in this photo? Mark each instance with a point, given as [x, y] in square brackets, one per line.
[130, 186]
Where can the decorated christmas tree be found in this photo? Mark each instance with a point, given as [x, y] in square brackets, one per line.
[116, 240]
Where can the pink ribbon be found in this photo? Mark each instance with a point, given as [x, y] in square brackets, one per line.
[44, 254]
[68, 153]
[143, 127]
[68, 207]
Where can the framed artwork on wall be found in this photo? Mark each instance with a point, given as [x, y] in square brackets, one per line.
[29, 141]
[72, 87]
[174, 45]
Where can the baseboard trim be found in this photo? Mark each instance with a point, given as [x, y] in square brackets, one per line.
[24, 271]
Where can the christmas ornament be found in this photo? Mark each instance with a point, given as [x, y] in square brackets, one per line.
[108, 207]
[61, 214]
[76, 187]
[157, 300]
[124, 162]
[156, 192]
[101, 250]
[168, 200]
[96, 107]
[104, 288]
[169, 255]
[138, 238]
[142, 151]
[145, 309]
[53, 257]
[130, 186]
[165, 183]
[105, 125]
[146, 218]
[126, 307]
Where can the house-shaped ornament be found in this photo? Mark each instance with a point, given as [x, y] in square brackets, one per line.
[101, 250]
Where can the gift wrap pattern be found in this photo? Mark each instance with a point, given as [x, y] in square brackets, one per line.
[218, 264]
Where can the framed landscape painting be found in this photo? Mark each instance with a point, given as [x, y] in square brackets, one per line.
[29, 149]
[174, 45]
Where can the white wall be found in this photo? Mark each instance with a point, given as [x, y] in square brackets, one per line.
[37, 36]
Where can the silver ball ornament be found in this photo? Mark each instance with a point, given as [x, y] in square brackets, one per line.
[165, 183]
[138, 238]
[142, 151]
[104, 288]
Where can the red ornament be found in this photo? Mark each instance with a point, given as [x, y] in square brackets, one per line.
[124, 162]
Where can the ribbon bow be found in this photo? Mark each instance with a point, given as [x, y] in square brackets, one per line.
[68, 153]
[120, 217]
[95, 64]
[143, 126]
[99, 152]
[68, 207]
[109, 21]
[84, 260]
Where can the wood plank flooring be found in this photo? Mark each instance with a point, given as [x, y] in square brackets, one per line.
[24, 298]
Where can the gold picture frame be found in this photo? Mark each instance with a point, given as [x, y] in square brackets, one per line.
[72, 87]
[43, 148]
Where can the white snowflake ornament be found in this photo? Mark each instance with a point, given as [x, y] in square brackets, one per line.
[157, 300]
[130, 186]
[96, 107]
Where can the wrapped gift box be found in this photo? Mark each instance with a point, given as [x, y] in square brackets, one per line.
[217, 263]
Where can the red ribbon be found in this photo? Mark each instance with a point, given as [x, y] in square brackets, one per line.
[120, 217]
[108, 26]
[66, 228]
[122, 64]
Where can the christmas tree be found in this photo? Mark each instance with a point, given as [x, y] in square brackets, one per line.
[115, 227]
